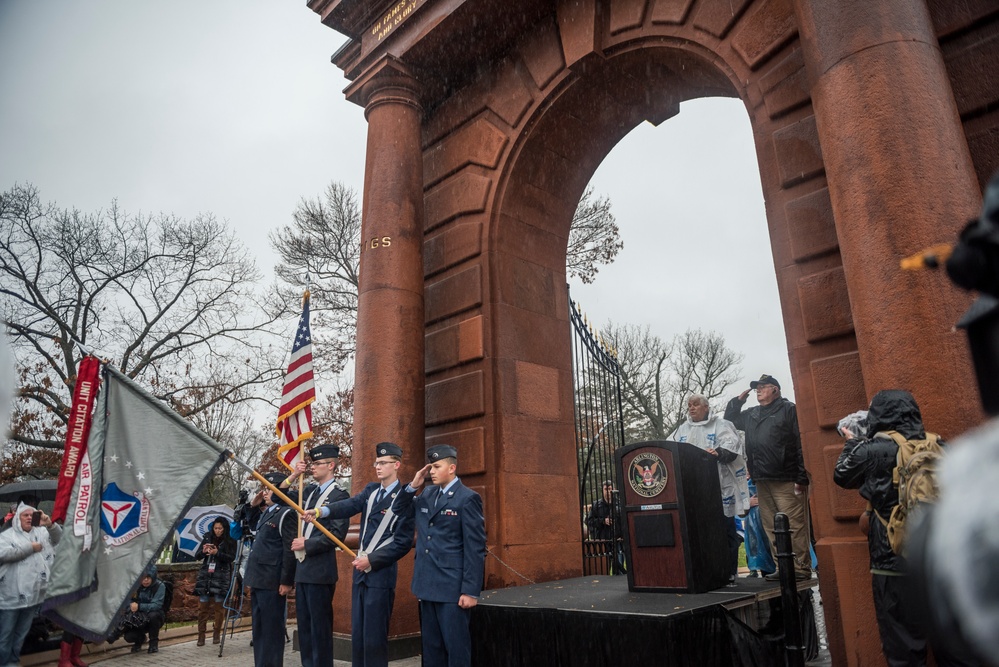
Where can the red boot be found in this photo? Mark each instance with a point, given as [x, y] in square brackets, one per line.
[74, 653]
[64, 650]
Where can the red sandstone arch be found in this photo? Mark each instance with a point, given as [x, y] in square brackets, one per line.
[862, 132]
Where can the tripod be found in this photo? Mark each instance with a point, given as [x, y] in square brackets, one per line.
[233, 603]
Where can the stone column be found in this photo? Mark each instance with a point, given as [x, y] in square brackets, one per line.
[389, 373]
[900, 179]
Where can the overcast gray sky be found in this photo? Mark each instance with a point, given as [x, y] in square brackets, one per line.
[233, 107]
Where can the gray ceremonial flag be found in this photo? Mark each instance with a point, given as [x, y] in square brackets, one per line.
[147, 463]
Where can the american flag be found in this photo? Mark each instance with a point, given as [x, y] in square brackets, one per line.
[294, 423]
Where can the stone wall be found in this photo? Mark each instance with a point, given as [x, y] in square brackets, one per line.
[184, 607]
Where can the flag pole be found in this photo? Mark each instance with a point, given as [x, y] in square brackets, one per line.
[291, 503]
[301, 448]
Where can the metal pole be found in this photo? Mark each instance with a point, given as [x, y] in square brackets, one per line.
[793, 645]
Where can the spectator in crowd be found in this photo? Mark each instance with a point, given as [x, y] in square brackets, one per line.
[601, 525]
[26, 552]
[718, 437]
[868, 464]
[758, 556]
[146, 614]
[776, 464]
[216, 553]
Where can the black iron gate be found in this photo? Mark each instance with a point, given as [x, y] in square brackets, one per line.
[599, 431]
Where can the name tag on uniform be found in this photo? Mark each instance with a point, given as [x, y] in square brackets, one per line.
[425, 510]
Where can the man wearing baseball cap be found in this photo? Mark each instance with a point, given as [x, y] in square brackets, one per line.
[450, 559]
[776, 465]
[386, 536]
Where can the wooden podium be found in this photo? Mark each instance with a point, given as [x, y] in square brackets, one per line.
[671, 518]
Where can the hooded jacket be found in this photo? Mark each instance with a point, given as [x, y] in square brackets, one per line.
[720, 434]
[867, 464]
[24, 572]
[151, 597]
[773, 443]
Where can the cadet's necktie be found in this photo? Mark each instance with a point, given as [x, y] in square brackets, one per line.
[379, 495]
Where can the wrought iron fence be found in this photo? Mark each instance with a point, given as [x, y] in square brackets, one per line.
[599, 431]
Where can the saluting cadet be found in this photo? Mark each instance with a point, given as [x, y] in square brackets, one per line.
[386, 536]
[270, 574]
[316, 575]
[450, 559]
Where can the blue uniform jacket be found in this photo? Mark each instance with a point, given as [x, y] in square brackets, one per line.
[319, 566]
[450, 544]
[272, 562]
[400, 531]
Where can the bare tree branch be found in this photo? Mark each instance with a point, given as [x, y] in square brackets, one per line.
[658, 377]
[172, 301]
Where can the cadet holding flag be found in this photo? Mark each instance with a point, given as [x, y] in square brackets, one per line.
[316, 575]
[386, 536]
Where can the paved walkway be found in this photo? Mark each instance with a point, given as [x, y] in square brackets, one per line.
[179, 647]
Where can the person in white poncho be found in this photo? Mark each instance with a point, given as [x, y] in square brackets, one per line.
[25, 558]
[720, 438]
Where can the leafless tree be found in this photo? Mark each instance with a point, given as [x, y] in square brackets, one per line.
[593, 237]
[230, 423]
[657, 377]
[323, 242]
[170, 302]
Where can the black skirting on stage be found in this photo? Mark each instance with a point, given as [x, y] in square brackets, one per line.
[597, 622]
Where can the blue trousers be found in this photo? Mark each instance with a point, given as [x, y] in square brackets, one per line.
[14, 626]
[447, 641]
[371, 609]
[314, 605]
[267, 623]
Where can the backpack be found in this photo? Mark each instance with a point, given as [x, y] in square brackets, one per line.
[167, 595]
[915, 479]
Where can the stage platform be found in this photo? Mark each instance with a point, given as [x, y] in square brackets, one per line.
[597, 621]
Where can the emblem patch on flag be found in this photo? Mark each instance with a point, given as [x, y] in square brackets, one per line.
[123, 516]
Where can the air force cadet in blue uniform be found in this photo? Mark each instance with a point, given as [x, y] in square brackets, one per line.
[316, 576]
[450, 559]
[270, 574]
[386, 536]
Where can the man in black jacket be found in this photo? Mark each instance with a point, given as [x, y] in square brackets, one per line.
[600, 524]
[868, 464]
[776, 465]
[270, 574]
